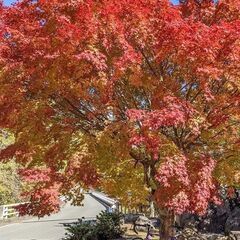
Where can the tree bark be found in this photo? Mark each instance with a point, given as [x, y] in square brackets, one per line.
[167, 218]
[167, 230]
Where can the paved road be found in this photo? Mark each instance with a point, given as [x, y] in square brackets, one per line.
[51, 228]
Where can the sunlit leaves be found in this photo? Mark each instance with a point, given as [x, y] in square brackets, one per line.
[112, 94]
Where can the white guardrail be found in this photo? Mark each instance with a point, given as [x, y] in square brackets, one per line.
[111, 204]
[8, 211]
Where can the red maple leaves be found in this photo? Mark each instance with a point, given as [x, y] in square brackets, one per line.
[171, 112]
[170, 74]
[187, 184]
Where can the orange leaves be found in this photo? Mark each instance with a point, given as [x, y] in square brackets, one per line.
[43, 201]
[228, 10]
[79, 79]
[81, 170]
[35, 175]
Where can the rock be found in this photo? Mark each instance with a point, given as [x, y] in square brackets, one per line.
[233, 221]
[235, 234]
[210, 236]
[155, 222]
[190, 233]
[218, 219]
[215, 237]
[193, 234]
[215, 219]
[131, 217]
[187, 220]
[143, 221]
[223, 238]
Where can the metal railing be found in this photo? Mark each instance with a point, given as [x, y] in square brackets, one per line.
[9, 211]
[143, 209]
[113, 205]
[109, 203]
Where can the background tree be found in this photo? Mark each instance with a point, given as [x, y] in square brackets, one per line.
[155, 82]
[10, 184]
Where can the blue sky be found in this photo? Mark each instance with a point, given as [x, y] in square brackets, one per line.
[8, 2]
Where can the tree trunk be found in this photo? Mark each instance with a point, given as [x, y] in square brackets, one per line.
[167, 218]
[167, 230]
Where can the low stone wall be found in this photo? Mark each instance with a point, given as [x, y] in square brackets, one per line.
[219, 219]
[191, 233]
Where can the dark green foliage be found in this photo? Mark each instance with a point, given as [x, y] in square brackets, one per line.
[81, 231]
[107, 227]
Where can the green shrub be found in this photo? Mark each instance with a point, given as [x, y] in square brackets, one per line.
[81, 231]
[107, 227]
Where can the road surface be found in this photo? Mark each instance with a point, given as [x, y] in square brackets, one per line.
[51, 228]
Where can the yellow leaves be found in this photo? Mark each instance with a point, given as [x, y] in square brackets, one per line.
[196, 123]
[237, 178]
[10, 184]
[119, 177]
[113, 138]
[228, 169]
[125, 183]
[6, 138]
[79, 141]
[167, 147]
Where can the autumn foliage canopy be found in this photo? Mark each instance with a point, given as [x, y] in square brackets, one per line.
[145, 88]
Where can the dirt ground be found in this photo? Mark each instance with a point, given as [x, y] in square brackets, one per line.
[129, 233]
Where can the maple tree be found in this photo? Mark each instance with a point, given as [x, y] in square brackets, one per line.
[145, 80]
